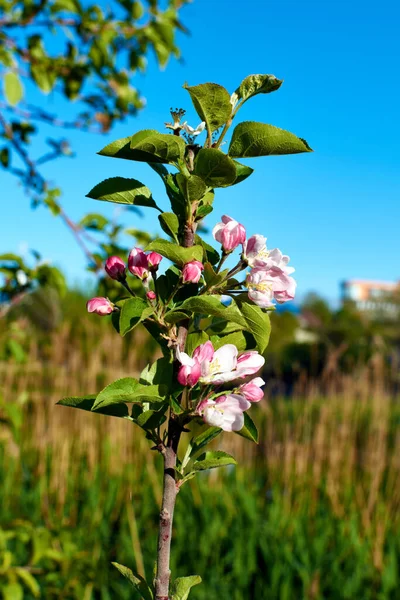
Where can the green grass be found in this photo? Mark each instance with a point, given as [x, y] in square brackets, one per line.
[242, 537]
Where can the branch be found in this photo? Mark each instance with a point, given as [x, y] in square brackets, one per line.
[170, 452]
[32, 172]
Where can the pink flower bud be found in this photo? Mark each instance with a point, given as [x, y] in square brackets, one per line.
[191, 272]
[252, 390]
[189, 375]
[154, 260]
[229, 233]
[115, 268]
[138, 263]
[151, 295]
[100, 306]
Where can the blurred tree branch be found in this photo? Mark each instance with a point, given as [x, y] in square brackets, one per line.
[86, 54]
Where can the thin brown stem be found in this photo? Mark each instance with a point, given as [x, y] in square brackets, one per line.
[170, 453]
[167, 510]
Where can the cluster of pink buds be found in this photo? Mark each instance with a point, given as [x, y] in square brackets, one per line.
[216, 367]
[270, 277]
[140, 264]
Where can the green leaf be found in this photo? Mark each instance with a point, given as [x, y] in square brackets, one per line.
[157, 147]
[137, 581]
[215, 168]
[249, 429]
[178, 202]
[87, 402]
[211, 277]
[159, 169]
[44, 77]
[176, 407]
[203, 211]
[159, 372]
[182, 586]
[259, 139]
[128, 389]
[151, 419]
[94, 221]
[174, 316]
[174, 253]
[257, 84]
[258, 323]
[13, 89]
[212, 103]
[199, 442]
[167, 282]
[242, 172]
[241, 339]
[122, 148]
[133, 312]
[192, 188]
[123, 191]
[195, 339]
[212, 256]
[170, 224]
[210, 305]
[213, 460]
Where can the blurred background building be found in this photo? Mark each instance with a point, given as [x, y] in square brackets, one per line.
[372, 296]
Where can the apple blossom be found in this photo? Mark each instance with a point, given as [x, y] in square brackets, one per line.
[225, 412]
[191, 131]
[279, 260]
[255, 250]
[256, 254]
[252, 390]
[220, 366]
[100, 306]
[115, 268]
[151, 295]
[265, 285]
[138, 263]
[191, 271]
[229, 233]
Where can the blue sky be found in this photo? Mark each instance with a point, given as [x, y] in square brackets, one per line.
[335, 212]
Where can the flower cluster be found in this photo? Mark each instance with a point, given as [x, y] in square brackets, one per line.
[140, 264]
[210, 367]
[268, 280]
[270, 277]
[144, 266]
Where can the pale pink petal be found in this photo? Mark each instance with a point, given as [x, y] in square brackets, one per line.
[204, 352]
